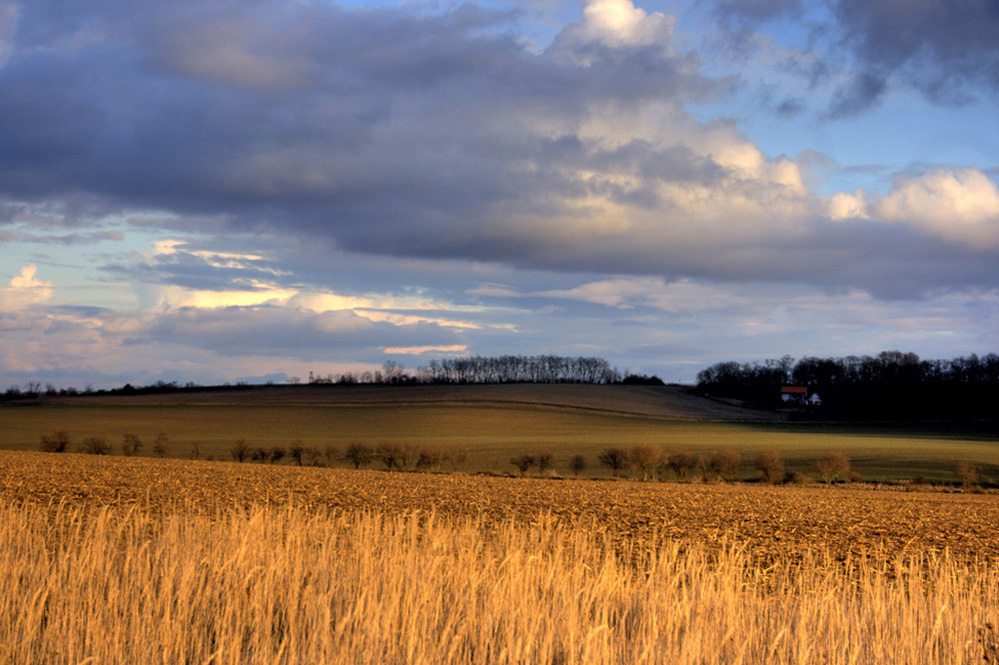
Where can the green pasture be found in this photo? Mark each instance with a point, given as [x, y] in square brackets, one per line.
[492, 434]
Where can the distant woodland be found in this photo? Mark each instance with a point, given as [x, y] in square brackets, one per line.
[493, 369]
[890, 385]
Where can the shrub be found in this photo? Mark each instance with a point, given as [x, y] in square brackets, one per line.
[797, 478]
[131, 445]
[833, 466]
[259, 455]
[276, 454]
[96, 445]
[771, 467]
[330, 453]
[56, 442]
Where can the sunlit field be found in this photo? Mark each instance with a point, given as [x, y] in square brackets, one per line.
[126, 560]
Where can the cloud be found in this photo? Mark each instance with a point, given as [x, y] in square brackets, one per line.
[943, 48]
[8, 23]
[24, 290]
[620, 24]
[947, 50]
[412, 134]
[421, 350]
[959, 206]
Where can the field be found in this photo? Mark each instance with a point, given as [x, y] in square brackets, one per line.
[122, 560]
[493, 423]
[118, 560]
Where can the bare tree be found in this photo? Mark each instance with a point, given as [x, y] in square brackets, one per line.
[391, 455]
[722, 464]
[523, 463]
[728, 462]
[832, 466]
[276, 454]
[681, 463]
[359, 454]
[195, 450]
[645, 459]
[577, 464]
[431, 457]
[330, 452]
[297, 451]
[56, 442]
[967, 474]
[161, 445]
[96, 445]
[543, 460]
[239, 449]
[771, 467]
[458, 456]
[131, 445]
[616, 459]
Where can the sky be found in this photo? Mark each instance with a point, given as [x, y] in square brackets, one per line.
[249, 190]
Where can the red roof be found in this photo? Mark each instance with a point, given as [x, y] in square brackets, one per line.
[794, 390]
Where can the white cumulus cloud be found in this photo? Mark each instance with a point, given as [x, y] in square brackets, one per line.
[24, 290]
[959, 206]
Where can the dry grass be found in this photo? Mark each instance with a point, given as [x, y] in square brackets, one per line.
[129, 560]
[273, 585]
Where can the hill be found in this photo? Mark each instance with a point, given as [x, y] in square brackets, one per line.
[672, 402]
[488, 425]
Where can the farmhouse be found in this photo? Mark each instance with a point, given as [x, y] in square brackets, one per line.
[799, 395]
[794, 394]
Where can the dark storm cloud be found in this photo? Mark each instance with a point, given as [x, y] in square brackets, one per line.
[752, 11]
[948, 50]
[861, 94]
[942, 47]
[304, 112]
[405, 134]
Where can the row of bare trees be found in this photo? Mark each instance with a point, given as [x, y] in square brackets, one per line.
[392, 455]
[489, 369]
[642, 462]
[519, 369]
[647, 462]
[131, 445]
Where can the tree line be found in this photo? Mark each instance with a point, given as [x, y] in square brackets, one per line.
[891, 384]
[491, 369]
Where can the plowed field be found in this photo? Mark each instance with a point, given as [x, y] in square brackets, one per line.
[769, 520]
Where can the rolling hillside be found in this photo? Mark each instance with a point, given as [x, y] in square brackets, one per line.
[667, 402]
